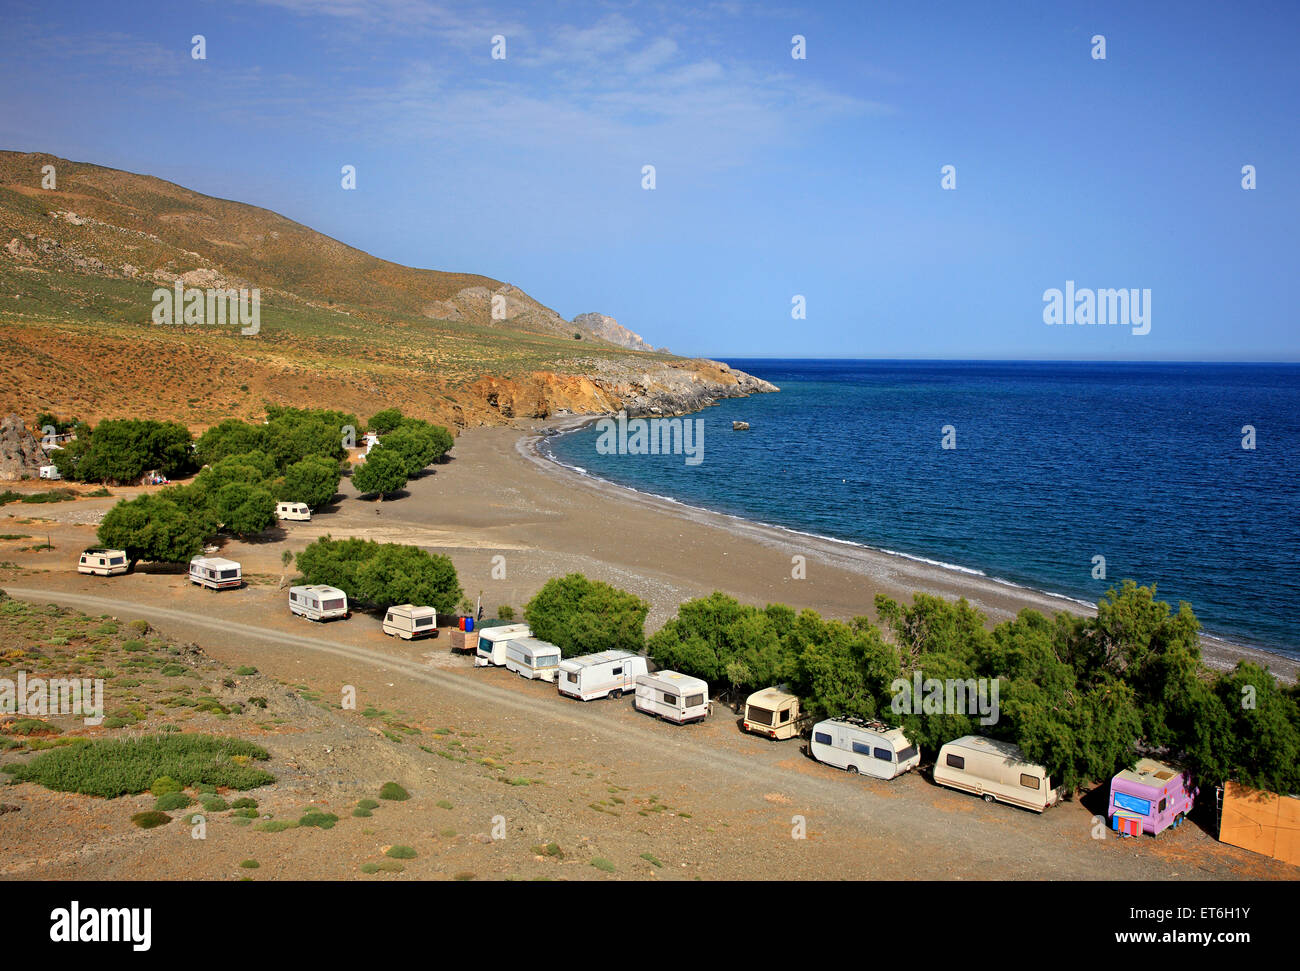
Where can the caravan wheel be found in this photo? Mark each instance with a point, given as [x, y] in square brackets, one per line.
[988, 797]
[853, 770]
[616, 693]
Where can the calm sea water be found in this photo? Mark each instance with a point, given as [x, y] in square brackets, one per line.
[1055, 463]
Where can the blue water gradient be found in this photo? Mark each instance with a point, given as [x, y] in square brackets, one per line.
[1055, 463]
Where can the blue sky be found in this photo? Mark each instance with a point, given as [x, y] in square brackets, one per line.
[775, 176]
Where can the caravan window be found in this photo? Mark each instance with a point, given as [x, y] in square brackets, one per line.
[760, 716]
[230, 574]
[956, 762]
[617, 671]
[907, 753]
[693, 701]
[862, 748]
[1161, 807]
[785, 716]
[883, 754]
[571, 677]
[423, 621]
[669, 699]
[333, 605]
[821, 738]
[117, 561]
[1028, 781]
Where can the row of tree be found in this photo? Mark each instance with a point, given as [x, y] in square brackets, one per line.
[382, 574]
[1081, 695]
[407, 446]
[294, 456]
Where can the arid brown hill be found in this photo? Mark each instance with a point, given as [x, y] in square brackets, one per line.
[80, 262]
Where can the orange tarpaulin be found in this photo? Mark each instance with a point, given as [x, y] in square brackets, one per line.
[1261, 821]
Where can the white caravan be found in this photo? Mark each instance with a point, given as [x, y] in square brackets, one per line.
[531, 658]
[674, 697]
[318, 602]
[773, 713]
[995, 770]
[604, 675]
[102, 563]
[50, 472]
[215, 573]
[298, 512]
[869, 748]
[492, 642]
[409, 622]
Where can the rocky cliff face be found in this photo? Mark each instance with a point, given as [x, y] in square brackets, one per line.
[608, 329]
[660, 388]
[20, 456]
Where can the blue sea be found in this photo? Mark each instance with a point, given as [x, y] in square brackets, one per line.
[1054, 464]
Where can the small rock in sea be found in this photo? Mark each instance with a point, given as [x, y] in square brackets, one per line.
[740, 426]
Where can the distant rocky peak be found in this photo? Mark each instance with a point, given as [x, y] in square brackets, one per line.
[609, 329]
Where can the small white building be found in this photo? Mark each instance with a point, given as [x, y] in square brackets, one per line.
[318, 602]
[216, 573]
[410, 622]
[604, 675]
[532, 658]
[101, 562]
[672, 696]
[492, 641]
[867, 747]
[50, 472]
[995, 770]
[298, 512]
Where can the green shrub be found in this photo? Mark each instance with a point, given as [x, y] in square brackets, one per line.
[394, 792]
[244, 802]
[360, 813]
[602, 864]
[172, 800]
[275, 825]
[214, 804]
[367, 804]
[148, 820]
[245, 670]
[401, 852]
[116, 767]
[250, 864]
[163, 785]
[32, 726]
[318, 819]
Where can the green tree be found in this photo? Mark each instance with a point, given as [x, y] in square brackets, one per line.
[582, 616]
[314, 480]
[230, 437]
[382, 574]
[122, 450]
[243, 509]
[385, 421]
[152, 527]
[382, 473]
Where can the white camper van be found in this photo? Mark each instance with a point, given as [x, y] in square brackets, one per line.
[674, 697]
[50, 472]
[102, 562]
[531, 658]
[215, 573]
[995, 770]
[604, 675]
[773, 713]
[869, 748]
[298, 512]
[318, 602]
[492, 642]
[409, 622]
